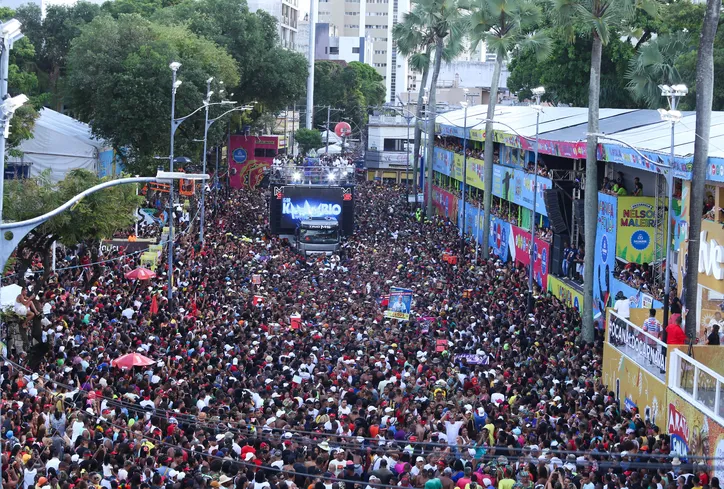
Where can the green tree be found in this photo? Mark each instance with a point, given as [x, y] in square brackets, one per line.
[598, 19]
[269, 74]
[144, 8]
[503, 25]
[308, 139]
[119, 81]
[96, 217]
[371, 83]
[52, 35]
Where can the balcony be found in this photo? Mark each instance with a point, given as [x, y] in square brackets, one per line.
[389, 120]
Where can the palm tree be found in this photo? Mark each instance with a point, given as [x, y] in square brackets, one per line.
[704, 100]
[654, 64]
[598, 19]
[414, 41]
[447, 24]
[503, 25]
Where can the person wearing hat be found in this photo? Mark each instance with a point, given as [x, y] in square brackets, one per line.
[622, 306]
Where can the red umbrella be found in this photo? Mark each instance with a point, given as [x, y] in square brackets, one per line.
[132, 360]
[140, 273]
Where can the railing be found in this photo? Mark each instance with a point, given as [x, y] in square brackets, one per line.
[311, 175]
[698, 384]
[644, 349]
[390, 120]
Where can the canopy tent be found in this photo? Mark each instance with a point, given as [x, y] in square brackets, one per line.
[334, 149]
[333, 138]
[59, 144]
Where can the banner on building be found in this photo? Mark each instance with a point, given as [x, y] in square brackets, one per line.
[636, 229]
[565, 292]
[605, 259]
[400, 304]
[635, 343]
[500, 238]
[445, 203]
[541, 252]
[637, 298]
[516, 185]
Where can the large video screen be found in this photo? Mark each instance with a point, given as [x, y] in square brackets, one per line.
[304, 202]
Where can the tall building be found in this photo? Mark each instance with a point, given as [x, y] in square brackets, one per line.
[371, 22]
[287, 14]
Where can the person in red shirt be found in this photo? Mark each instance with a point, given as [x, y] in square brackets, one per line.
[674, 334]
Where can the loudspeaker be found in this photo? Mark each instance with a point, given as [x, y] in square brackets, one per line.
[552, 200]
[579, 211]
[275, 209]
[347, 210]
[559, 242]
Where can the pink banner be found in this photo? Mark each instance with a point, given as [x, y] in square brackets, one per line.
[542, 250]
[445, 203]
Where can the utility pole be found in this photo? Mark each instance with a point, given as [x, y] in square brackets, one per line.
[329, 110]
[286, 134]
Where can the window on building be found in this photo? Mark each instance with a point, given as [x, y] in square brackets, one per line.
[259, 152]
[393, 144]
[334, 50]
[351, 13]
[355, 50]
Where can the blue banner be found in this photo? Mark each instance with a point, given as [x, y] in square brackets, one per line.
[637, 298]
[515, 185]
[605, 259]
[443, 161]
[500, 238]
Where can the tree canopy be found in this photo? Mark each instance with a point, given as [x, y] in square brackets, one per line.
[308, 139]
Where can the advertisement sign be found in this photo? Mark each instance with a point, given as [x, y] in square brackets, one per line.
[400, 304]
[245, 169]
[605, 259]
[472, 359]
[475, 173]
[638, 345]
[122, 246]
[715, 170]
[694, 434]
[456, 171]
[445, 203]
[500, 238]
[638, 299]
[304, 202]
[564, 292]
[632, 158]
[443, 161]
[711, 255]
[636, 229]
[633, 385]
[563, 149]
[541, 252]
[516, 186]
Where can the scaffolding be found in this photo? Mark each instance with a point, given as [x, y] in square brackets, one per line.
[659, 265]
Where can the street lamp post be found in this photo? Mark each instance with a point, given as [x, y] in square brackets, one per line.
[537, 92]
[673, 94]
[174, 86]
[465, 175]
[206, 134]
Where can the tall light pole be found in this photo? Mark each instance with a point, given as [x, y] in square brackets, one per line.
[537, 92]
[310, 75]
[174, 86]
[465, 175]
[673, 94]
[207, 100]
[405, 112]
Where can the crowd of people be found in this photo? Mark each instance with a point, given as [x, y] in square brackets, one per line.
[471, 392]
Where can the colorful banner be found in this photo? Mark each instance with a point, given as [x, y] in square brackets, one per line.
[541, 251]
[500, 238]
[456, 171]
[565, 292]
[694, 434]
[634, 159]
[636, 229]
[400, 304]
[443, 161]
[445, 203]
[475, 174]
[632, 384]
[637, 298]
[605, 259]
[515, 185]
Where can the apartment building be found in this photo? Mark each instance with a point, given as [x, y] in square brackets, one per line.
[370, 21]
[287, 14]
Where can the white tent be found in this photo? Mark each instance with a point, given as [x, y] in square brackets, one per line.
[59, 143]
[333, 150]
[333, 138]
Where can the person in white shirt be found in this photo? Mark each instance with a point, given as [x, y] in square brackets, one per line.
[53, 463]
[622, 306]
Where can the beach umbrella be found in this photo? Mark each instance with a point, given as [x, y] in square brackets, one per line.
[140, 273]
[132, 360]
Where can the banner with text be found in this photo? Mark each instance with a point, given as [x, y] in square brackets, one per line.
[516, 186]
[445, 203]
[634, 342]
[500, 238]
[400, 304]
[565, 292]
[541, 251]
[637, 299]
[605, 259]
[636, 229]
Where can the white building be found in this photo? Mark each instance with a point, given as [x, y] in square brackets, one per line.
[370, 22]
[388, 147]
[287, 14]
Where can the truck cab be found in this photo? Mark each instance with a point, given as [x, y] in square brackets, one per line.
[318, 235]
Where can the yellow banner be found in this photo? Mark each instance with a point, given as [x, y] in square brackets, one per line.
[694, 434]
[636, 229]
[477, 134]
[565, 292]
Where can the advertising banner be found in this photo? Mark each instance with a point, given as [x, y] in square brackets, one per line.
[500, 238]
[541, 251]
[605, 259]
[246, 169]
[443, 161]
[456, 171]
[123, 246]
[304, 202]
[516, 186]
[633, 158]
[635, 343]
[638, 299]
[694, 434]
[636, 229]
[475, 173]
[400, 304]
[445, 203]
[633, 385]
[564, 292]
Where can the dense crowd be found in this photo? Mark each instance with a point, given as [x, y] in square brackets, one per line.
[472, 392]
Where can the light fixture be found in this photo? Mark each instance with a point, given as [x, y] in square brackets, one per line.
[175, 65]
[463, 104]
[11, 31]
[296, 176]
[670, 115]
[538, 91]
[210, 80]
[8, 107]
[680, 90]
[331, 177]
[177, 84]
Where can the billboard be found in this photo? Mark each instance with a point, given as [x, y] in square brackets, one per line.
[636, 229]
[305, 202]
[541, 251]
[605, 259]
[565, 292]
[400, 304]
[515, 185]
